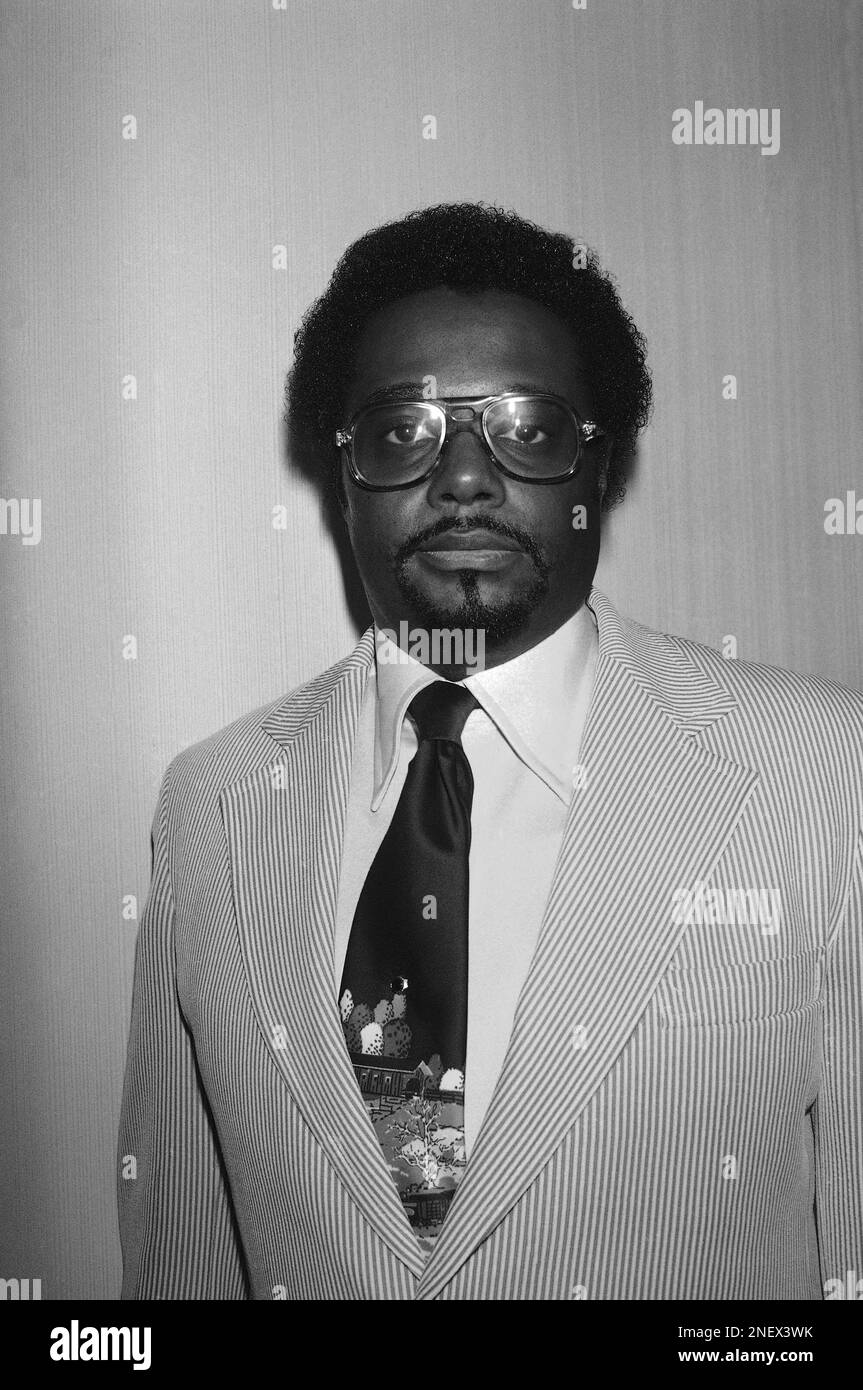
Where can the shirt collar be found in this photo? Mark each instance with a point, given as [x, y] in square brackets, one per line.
[531, 699]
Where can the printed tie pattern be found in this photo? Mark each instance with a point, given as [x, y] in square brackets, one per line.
[403, 995]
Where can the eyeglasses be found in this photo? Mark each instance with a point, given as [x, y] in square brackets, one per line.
[532, 438]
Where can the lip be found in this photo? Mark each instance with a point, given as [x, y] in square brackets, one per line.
[487, 541]
[475, 550]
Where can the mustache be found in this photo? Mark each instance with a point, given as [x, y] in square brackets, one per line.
[494, 524]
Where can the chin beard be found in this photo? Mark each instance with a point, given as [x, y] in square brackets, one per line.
[498, 621]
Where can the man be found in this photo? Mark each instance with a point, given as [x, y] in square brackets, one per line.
[519, 954]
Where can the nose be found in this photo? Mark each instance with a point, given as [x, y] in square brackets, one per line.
[466, 473]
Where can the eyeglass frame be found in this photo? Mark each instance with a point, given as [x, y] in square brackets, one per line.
[586, 432]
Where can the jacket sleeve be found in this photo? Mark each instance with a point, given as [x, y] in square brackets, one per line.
[177, 1226]
[839, 1107]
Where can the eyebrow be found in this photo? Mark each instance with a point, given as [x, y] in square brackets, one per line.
[413, 391]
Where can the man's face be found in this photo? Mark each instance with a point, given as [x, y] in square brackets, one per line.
[534, 568]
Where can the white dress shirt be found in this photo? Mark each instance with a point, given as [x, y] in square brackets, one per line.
[523, 747]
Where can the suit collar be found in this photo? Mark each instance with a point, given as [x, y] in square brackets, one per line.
[298, 711]
[688, 694]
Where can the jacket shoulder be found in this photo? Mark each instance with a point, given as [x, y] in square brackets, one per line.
[800, 696]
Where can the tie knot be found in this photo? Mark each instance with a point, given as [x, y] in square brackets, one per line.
[440, 710]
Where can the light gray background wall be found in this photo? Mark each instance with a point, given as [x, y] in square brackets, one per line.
[301, 127]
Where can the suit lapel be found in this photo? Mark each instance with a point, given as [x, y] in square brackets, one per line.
[655, 815]
[285, 828]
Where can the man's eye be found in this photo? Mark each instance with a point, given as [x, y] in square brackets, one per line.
[523, 433]
[407, 432]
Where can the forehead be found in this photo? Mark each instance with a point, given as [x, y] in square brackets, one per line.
[471, 344]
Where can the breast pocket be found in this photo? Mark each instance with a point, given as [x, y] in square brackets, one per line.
[756, 989]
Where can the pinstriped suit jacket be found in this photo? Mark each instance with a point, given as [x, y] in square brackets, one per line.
[679, 1111]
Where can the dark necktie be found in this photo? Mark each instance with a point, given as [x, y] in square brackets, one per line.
[403, 995]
